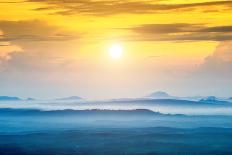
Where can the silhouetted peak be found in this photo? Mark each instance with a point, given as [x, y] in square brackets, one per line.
[71, 98]
[159, 94]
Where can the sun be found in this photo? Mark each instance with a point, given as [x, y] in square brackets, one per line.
[116, 51]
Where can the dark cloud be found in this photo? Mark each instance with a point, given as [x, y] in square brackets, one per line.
[181, 32]
[218, 29]
[111, 7]
[36, 38]
[12, 2]
[32, 31]
[166, 28]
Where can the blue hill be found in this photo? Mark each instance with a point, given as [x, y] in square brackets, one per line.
[212, 99]
[71, 98]
[159, 95]
[9, 98]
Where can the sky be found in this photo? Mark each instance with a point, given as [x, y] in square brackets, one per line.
[58, 48]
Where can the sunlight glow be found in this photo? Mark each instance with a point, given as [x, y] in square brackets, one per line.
[116, 51]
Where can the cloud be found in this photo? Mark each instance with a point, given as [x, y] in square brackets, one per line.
[10, 2]
[33, 30]
[213, 76]
[5, 53]
[166, 28]
[112, 7]
[220, 62]
[218, 29]
[33, 44]
[181, 32]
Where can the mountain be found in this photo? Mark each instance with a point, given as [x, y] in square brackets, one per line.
[71, 98]
[209, 98]
[30, 99]
[9, 98]
[160, 95]
[158, 102]
[192, 98]
[212, 99]
[4, 111]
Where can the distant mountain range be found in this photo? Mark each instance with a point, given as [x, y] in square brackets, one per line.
[156, 95]
[9, 98]
[96, 112]
[207, 99]
[71, 98]
[30, 99]
[13, 98]
[214, 99]
[164, 95]
[169, 102]
[160, 95]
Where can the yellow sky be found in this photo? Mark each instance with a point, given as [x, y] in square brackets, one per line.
[153, 34]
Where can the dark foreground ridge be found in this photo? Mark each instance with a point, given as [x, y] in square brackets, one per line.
[142, 141]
